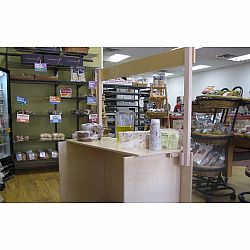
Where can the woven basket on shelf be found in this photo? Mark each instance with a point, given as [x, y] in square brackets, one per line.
[219, 102]
[79, 50]
[197, 108]
[211, 139]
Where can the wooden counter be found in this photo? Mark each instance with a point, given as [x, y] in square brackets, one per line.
[102, 171]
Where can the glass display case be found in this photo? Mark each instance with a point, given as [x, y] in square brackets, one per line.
[7, 168]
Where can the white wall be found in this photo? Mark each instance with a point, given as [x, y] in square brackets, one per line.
[220, 78]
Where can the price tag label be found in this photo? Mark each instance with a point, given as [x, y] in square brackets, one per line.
[93, 117]
[40, 67]
[23, 118]
[54, 99]
[55, 118]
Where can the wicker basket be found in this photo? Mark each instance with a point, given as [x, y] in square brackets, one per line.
[46, 78]
[218, 102]
[197, 108]
[157, 114]
[79, 50]
[22, 77]
[208, 171]
[211, 139]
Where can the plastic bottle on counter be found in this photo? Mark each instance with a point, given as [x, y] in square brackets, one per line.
[154, 137]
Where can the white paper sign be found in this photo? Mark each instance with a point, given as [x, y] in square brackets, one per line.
[23, 118]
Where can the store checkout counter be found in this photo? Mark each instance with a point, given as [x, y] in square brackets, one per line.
[101, 171]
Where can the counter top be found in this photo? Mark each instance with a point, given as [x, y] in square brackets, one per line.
[110, 144]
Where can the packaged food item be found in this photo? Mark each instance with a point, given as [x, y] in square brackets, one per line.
[31, 156]
[208, 90]
[84, 135]
[58, 136]
[53, 153]
[201, 154]
[133, 139]
[41, 154]
[19, 156]
[170, 139]
[45, 137]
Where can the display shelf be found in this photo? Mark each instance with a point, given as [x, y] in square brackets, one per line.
[57, 82]
[121, 100]
[31, 66]
[36, 164]
[125, 93]
[34, 141]
[121, 86]
[39, 103]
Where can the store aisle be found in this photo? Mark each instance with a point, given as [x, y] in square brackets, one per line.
[44, 187]
[33, 187]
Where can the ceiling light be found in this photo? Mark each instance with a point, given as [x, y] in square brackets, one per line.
[155, 75]
[168, 74]
[197, 67]
[240, 58]
[118, 57]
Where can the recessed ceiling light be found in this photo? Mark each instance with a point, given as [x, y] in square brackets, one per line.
[168, 74]
[240, 58]
[118, 57]
[197, 67]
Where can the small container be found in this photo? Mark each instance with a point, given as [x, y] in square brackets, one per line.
[124, 121]
[155, 135]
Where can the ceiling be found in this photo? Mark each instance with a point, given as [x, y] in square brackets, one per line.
[216, 57]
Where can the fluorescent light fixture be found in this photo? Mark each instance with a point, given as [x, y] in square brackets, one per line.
[183, 47]
[118, 57]
[240, 58]
[155, 75]
[168, 74]
[197, 67]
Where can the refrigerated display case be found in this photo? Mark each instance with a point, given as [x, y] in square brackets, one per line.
[7, 167]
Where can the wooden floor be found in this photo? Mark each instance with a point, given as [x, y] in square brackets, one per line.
[44, 187]
[33, 187]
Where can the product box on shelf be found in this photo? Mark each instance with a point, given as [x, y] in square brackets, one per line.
[31, 58]
[49, 49]
[72, 61]
[53, 59]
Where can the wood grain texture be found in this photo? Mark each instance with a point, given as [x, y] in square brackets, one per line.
[90, 174]
[151, 179]
[165, 60]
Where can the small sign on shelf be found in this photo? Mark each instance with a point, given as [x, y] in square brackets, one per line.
[55, 118]
[23, 118]
[54, 99]
[93, 117]
[91, 100]
[66, 92]
[40, 67]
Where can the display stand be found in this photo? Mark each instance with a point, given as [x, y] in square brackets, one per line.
[208, 179]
